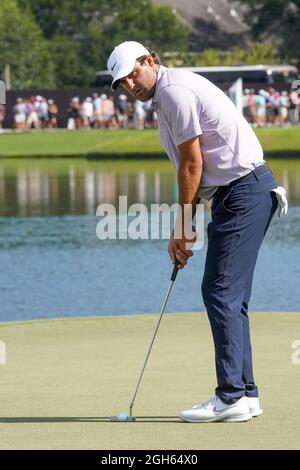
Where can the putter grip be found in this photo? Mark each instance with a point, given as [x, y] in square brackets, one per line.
[175, 271]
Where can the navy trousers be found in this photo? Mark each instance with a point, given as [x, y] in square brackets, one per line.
[241, 214]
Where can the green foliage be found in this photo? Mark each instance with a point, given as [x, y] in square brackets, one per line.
[62, 44]
[261, 53]
[24, 48]
[279, 21]
[139, 20]
[80, 34]
[253, 53]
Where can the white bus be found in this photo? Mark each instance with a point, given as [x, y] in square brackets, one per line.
[254, 76]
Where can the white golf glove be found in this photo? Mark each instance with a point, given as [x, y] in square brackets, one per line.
[282, 200]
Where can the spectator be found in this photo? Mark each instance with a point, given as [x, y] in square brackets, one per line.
[148, 114]
[246, 104]
[271, 106]
[107, 111]
[114, 120]
[43, 113]
[139, 115]
[261, 108]
[32, 106]
[122, 105]
[276, 106]
[19, 112]
[283, 107]
[74, 119]
[130, 113]
[97, 105]
[52, 111]
[87, 113]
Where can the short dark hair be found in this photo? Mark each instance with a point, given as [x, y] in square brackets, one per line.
[153, 54]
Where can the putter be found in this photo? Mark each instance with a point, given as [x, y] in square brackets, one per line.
[123, 416]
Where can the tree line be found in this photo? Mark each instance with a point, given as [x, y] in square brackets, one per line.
[50, 44]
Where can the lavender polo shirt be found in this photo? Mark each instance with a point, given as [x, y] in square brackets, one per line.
[189, 105]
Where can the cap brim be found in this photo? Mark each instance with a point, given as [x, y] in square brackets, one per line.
[123, 71]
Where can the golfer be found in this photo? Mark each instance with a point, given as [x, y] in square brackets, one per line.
[218, 157]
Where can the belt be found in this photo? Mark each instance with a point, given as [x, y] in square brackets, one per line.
[260, 170]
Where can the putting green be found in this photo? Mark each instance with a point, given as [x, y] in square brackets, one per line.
[63, 379]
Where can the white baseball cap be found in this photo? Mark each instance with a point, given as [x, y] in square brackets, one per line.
[122, 59]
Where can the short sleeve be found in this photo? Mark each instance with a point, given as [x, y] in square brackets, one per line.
[181, 108]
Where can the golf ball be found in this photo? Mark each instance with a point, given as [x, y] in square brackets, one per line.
[122, 416]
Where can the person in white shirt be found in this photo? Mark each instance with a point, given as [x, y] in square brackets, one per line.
[139, 115]
[218, 157]
[87, 112]
[97, 104]
[107, 111]
[32, 112]
[19, 111]
[283, 108]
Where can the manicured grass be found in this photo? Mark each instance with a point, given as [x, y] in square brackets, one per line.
[64, 379]
[105, 143]
[280, 139]
[79, 143]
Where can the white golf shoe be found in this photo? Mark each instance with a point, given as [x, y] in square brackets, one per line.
[254, 406]
[215, 410]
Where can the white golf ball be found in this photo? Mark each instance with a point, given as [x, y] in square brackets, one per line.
[122, 416]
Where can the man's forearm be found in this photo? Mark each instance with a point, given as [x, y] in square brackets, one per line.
[189, 177]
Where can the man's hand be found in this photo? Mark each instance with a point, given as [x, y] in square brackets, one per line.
[177, 251]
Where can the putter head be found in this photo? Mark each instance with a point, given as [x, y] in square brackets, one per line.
[123, 417]
[131, 419]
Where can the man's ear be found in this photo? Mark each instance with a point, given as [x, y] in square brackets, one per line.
[150, 60]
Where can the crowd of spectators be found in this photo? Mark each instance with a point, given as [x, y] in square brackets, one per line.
[271, 107]
[98, 111]
[35, 112]
[103, 112]
[264, 107]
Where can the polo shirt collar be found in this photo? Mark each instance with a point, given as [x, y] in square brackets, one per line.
[161, 72]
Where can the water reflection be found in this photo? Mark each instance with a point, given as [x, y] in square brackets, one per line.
[52, 264]
[61, 187]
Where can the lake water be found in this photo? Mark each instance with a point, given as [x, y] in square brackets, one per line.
[53, 265]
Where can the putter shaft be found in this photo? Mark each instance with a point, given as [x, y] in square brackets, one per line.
[173, 277]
